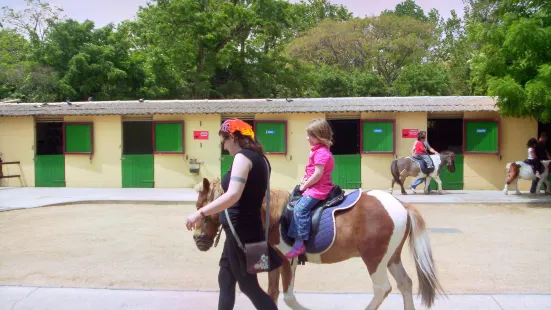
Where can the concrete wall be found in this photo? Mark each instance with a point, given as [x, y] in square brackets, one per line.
[172, 170]
[17, 142]
[288, 170]
[376, 167]
[488, 171]
[103, 168]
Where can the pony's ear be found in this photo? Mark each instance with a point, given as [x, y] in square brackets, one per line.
[206, 184]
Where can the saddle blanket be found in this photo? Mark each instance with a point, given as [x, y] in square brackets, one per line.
[326, 232]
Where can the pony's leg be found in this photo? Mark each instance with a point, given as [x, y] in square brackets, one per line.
[516, 186]
[403, 177]
[427, 185]
[273, 284]
[404, 284]
[547, 189]
[381, 286]
[392, 186]
[288, 295]
[439, 182]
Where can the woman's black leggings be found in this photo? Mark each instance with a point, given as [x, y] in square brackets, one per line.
[247, 284]
[536, 164]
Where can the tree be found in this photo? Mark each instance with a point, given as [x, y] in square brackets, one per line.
[34, 21]
[426, 79]
[514, 60]
[383, 44]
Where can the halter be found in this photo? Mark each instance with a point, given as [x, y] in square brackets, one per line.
[217, 238]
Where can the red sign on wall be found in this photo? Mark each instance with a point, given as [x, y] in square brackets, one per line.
[410, 133]
[200, 135]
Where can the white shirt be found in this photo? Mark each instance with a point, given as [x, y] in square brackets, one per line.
[530, 150]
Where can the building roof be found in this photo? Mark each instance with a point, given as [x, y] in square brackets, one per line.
[242, 106]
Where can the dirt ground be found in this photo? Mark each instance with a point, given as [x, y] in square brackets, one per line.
[498, 249]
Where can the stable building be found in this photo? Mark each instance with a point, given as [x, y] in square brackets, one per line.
[175, 143]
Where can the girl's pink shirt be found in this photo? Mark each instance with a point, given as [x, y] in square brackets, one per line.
[320, 155]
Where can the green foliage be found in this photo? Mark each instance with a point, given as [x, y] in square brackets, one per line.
[513, 61]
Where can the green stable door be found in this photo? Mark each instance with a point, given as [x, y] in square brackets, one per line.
[137, 158]
[137, 171]
[347, 173]
[49, 170]
[49, 161]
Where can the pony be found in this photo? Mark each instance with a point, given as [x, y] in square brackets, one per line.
[521, 170]
[375, 228]
[403, 167]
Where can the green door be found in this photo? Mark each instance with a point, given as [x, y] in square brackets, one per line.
[137, 171]
[49, 171]
[225, 165]
[347, 172]
[137, 154]
[451, 181]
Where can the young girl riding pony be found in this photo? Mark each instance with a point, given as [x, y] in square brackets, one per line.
[316, 184]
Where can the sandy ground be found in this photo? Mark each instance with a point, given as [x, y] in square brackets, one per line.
[498, 249]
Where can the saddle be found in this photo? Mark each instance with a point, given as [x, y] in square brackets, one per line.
[424, 164]
[334, 198]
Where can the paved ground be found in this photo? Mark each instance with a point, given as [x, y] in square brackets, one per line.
[478, 249]
[19, 298]
[31, 197]
[489, 255]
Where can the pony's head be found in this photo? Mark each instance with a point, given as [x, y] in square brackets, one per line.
[207, 228]
[448, 158]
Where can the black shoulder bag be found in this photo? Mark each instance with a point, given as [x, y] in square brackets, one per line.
[256, 253]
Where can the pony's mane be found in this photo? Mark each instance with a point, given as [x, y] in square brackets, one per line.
[278, 198]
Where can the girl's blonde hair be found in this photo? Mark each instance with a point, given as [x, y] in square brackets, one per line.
[320, 129]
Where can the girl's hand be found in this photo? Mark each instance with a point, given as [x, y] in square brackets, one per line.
[302, 188]
[192, 219]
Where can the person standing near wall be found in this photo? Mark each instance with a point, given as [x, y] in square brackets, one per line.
[541, 154]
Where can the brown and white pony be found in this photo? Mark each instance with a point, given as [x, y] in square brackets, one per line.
[521, 170]
[375, 229]
[403, 167]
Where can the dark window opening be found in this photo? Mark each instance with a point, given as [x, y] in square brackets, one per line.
[445, 134]
[49, 138]
[137, 137]
[346, 136]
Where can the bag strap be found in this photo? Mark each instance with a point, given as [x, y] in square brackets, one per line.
[267, 213]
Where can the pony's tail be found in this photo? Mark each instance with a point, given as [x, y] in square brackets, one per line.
[512, 170]
[419, 244]
[395, 172]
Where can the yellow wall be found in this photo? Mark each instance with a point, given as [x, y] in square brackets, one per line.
[376, 167]
[17, 144]
[103, 168]
[172, 170]
[288, 170]
[488, 171]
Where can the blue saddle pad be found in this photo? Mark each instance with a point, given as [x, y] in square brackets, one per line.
[324, 237]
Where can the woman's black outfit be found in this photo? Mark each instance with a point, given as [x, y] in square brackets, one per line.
[246, 218]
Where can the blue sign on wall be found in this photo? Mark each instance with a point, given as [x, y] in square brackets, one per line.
[480, 130]
[270, 132]
[377, 130]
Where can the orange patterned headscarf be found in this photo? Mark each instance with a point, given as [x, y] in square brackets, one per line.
[233, 125]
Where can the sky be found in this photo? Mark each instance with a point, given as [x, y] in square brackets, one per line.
[103, 12]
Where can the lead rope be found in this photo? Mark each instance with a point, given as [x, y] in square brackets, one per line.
[218, 236]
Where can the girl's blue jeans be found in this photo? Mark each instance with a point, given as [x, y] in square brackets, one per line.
[302, 220]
